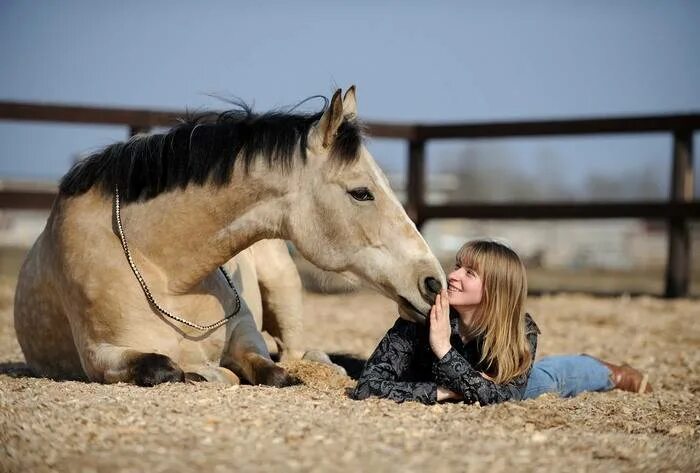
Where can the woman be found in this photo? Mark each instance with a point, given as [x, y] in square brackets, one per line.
[483, 348]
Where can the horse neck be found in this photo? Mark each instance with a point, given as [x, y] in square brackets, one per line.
[188, 233]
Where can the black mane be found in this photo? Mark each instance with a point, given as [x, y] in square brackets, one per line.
[203, 149]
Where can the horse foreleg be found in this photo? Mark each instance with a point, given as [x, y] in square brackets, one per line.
[247, 356]
[113, 364]
[282, 319]
[281, 294]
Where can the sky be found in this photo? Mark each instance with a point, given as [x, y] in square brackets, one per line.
[411, 61]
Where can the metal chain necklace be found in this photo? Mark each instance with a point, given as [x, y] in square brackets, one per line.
[147, 292]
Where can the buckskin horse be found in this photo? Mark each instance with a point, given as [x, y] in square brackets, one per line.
[125, 282]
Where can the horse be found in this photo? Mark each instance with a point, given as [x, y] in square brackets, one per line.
[125, 284]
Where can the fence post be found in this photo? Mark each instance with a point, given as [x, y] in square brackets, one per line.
[678, 265]
[415, 188]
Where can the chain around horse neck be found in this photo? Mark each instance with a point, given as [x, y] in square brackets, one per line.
[144, 286]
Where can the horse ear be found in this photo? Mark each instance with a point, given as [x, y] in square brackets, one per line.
[331, 120]
[350, 104]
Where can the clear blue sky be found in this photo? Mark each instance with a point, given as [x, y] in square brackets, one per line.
[427, 61]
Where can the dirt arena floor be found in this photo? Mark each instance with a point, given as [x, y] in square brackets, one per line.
[80, 427]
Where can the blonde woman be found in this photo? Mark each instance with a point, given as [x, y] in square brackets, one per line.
[480, 344]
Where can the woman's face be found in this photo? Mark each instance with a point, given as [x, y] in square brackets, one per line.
[464, 287]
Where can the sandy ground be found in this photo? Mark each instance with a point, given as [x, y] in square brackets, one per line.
[80, 427]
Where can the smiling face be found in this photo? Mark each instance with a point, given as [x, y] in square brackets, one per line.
[488, 281]
[464, 287]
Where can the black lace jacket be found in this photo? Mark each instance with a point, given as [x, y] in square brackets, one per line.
[404, 368]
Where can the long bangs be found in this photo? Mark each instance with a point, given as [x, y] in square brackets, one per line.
[472, 255]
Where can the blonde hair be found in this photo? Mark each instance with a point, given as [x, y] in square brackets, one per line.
[500, 317]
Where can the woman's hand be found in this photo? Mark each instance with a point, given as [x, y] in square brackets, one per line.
[440, 330]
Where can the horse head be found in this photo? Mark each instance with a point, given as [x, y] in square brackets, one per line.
[345, 217]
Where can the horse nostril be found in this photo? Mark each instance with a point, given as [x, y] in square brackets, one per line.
[433, 285]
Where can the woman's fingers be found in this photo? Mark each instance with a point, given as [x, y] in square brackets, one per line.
[445, 309]
[439, 305]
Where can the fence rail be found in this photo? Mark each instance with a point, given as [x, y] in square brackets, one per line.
[677, 211]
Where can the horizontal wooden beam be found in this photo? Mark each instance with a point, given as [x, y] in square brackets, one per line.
[560, 211]
[26, 200]
[87, 115]
[588, 126]
[42, 199]
[391, 130]
[141, 118]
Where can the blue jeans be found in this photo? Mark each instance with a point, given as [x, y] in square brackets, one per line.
[567, 375]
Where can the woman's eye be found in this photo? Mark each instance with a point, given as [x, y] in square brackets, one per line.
[361, 193]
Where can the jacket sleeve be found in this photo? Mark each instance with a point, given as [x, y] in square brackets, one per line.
[391, 359]
[457, 374]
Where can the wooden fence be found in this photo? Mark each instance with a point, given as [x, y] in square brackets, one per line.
[677, 211]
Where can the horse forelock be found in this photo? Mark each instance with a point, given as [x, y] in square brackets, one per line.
[204, 148]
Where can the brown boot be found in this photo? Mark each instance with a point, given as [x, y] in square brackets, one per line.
[628, 379]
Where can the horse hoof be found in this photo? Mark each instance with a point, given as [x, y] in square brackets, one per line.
[276, 376]
[192, 377]
[321, 357]
[150, 369]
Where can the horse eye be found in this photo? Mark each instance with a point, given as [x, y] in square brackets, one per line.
[361, 193]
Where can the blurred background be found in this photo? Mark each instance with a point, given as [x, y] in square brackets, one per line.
[413, 62]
